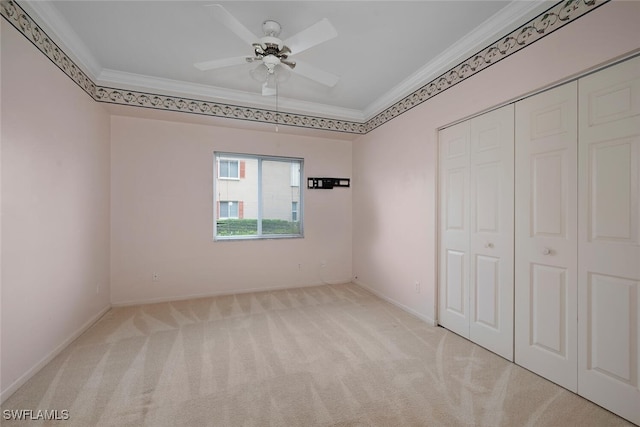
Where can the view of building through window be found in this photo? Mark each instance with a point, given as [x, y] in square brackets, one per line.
[257, 196]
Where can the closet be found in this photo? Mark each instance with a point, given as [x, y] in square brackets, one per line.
[575, 218]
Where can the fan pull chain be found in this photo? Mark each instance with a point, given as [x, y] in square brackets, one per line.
[277, 114]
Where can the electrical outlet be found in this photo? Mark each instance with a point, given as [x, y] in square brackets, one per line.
[155, 277]
[417, 287]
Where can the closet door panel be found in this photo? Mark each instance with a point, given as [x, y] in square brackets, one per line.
[609, 238]
[453, 297]
[491, 231]
[547, 305]
[546, 235]
[548, 169]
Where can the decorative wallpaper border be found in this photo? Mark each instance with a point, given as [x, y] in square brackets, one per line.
[195, 106]
[556, 17]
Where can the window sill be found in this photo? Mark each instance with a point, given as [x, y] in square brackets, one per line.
[265, 237]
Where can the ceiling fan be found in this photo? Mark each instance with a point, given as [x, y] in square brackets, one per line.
[273, 53]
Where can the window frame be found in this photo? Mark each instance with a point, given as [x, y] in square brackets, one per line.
[232, 178]
[220, 155]
[237, 205]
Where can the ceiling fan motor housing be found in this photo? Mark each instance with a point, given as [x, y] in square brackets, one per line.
[271, 42]
[272, 49]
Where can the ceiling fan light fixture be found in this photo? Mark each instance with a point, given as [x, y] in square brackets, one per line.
[263, 74]
[259, 73]
[280, 75]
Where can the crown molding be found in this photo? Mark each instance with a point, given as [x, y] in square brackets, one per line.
[57, 27]
[481, 36]
[139, 82]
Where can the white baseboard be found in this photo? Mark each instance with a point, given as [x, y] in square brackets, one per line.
[409, 310]
[221, 293]
[4, 395]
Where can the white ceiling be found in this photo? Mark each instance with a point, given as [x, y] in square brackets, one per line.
[384, 49]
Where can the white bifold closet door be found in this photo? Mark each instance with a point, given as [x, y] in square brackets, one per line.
[546, 235]
[476, 230]
[609, 239]
[453, 295]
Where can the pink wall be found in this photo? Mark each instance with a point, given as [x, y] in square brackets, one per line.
[162, 213]
[55, 210]
[394, 236]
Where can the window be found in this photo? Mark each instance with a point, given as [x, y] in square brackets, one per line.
[229, 169]
[228, 209]
[257, 197]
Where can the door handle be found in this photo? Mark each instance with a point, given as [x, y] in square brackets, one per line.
[546, 251]
[488, 245]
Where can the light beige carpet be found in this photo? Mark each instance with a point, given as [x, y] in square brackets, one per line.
[319, 356]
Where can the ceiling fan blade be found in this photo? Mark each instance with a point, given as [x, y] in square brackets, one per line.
[228, 20]
[316, 74]
[318, 33]
[220, 63]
